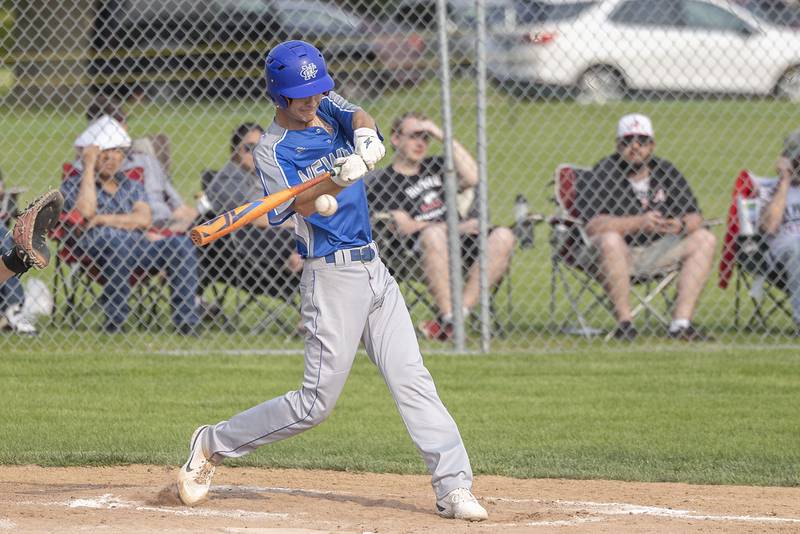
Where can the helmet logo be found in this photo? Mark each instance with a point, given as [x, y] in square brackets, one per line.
[308, 71]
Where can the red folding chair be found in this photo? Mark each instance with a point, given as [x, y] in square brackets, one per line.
[77, 276]
[745, 253]
[578, 282]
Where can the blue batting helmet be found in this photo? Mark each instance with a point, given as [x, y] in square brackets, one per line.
[295, 69]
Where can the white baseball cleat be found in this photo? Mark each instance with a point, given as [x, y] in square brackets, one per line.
[194, 478]
[461, 504]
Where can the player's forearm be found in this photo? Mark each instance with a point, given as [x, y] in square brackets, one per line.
[773, 214]
[86, 203]
[304, 202]
[124, 221]
[362, 119]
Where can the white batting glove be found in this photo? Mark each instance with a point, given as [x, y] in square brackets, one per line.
[348, 170]
[369, 146]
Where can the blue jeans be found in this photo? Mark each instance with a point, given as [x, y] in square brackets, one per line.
[789, 256]
[11, 291]
[118, 253]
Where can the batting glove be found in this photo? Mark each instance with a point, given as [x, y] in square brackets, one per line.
[348, 170]
[369, 146]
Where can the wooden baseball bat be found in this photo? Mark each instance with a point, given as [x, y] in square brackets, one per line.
[229, 221]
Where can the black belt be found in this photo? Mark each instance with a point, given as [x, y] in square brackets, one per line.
[356, 254]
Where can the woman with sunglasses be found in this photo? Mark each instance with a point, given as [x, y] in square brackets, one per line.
[262, 256]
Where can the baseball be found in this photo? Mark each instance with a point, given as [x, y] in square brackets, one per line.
[326, 205]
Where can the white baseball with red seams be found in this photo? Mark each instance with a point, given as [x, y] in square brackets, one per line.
[326, 205]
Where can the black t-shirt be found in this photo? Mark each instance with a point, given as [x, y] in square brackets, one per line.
[607, 191]
[422, 196]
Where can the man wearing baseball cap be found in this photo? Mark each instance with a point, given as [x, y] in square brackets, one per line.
[780, 220]
[642, 219]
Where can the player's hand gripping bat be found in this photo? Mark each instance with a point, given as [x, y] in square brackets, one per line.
[234, 219]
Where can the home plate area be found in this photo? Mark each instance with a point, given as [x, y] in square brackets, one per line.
[139, 498]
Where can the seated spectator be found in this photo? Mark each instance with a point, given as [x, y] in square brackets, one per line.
[268, 252]
[780, 220]
[643, 218]
[12, 295]
[412, 190]
[116, 216]
[169, 212]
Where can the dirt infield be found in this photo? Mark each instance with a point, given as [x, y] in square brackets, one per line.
[142, 498]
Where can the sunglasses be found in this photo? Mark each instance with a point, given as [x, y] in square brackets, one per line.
[421, 135]
[249, 147]
[641, 139]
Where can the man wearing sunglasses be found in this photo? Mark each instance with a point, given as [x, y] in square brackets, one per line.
[412, 190]
[642, 218]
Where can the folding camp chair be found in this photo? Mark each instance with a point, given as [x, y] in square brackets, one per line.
[746, 253]
[403, 261]
[579, 282]
[236, 282]
[77, 276]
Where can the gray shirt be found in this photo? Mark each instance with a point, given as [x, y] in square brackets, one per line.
[161, 195]
[232, 186]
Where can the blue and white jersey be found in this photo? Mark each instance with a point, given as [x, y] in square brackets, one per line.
[285, 158]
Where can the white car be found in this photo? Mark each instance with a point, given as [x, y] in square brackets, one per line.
[604, 49]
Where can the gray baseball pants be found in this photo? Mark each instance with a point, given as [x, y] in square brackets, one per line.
[343, 303]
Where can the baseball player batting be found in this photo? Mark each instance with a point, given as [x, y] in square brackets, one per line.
[348, 295]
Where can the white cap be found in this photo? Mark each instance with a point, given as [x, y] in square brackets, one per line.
[634, 124]
[104, 132]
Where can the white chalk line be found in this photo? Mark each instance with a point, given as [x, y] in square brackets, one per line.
[614, 508]
[109, 502]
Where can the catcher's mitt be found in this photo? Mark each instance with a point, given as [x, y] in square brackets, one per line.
[30, 231]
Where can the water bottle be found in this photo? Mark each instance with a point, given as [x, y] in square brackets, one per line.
[523, 226]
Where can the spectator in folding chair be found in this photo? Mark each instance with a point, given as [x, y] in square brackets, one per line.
[116, 216]
[780, 220]
[170, 214]
[265, 253]
[411, 189]
[642, 218]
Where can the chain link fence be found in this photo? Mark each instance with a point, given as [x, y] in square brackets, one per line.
[713, 86]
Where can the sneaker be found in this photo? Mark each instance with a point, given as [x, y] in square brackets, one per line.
[194, 478]
[461, 504]
[18, 321]
[690, 333]
[434, 330]
[625, 331]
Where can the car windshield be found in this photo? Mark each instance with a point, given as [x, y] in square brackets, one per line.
[533, 12]
[774, 12]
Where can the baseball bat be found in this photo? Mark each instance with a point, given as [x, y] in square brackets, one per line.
[229, 221]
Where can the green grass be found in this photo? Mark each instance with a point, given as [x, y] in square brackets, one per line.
[699, 416]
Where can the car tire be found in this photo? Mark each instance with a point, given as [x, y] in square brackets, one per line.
[788, 87]
[601, 84]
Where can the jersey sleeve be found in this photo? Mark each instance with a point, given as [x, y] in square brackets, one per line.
[334, 105]
[276, 174]
[682, 197]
